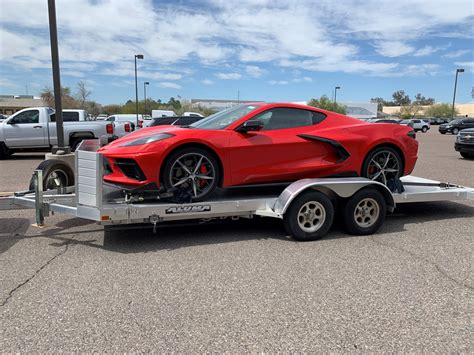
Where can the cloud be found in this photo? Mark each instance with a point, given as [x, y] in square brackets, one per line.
[7, 83]
[278, 82]
[457, 54]
[393, 48]
[169, 85]
[229, 76]
[305, 79]
[180, 38]
[469, 66]
[207, 82]
[254, 71]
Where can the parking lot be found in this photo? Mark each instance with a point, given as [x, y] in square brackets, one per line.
[241, 285]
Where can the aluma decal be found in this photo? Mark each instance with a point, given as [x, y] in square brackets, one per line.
[186, 209]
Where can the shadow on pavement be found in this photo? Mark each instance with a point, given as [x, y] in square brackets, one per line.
[11, 231]
[171, 236]
[27, 156]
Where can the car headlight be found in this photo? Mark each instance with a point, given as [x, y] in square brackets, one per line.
[458, 137]
[148, 139]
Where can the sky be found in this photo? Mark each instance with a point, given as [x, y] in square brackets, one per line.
[261, 50]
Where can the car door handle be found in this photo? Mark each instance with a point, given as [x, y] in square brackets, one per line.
[37, 126]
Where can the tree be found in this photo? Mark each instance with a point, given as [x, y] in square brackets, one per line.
[421, 100]
[82, 94]
[326, 104]
[440, 110]
[400, 98]
[67, 100]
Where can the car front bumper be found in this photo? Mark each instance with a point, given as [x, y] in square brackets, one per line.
[464, 148]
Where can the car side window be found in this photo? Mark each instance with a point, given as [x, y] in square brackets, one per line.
[30, 116]
[282, 117]
[111, 118]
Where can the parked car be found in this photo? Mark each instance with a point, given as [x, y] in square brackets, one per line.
[456, 125]
[130, 118]
[195, 114]
[436, 120]
[174, 121]
[35, 128]
[418, 125]
[465, 143]
[384, 120]
[162, 113]
[2, 117]
[259, 144]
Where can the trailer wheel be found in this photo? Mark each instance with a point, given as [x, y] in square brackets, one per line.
[56, 174]
[309, 217]
[364, 213]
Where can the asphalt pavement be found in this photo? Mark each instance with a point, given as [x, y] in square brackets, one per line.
[244, 285]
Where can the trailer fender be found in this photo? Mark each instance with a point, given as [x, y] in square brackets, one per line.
[333, 187]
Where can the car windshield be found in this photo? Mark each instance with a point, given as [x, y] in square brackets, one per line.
[458, 121]
[225, 118]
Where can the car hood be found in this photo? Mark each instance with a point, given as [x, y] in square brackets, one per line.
[467, 130]
[144, 132]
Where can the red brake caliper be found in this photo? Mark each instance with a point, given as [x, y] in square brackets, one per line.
[203, 170]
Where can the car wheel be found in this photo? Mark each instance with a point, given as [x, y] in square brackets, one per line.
[309, 216]
[455, 131]
[193, 169]
[424, 129]
[364, 212]
[467, 155]
[56, 175]
[442, 132]
[382, 164]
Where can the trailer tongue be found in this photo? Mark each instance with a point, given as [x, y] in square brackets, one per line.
[307, 206]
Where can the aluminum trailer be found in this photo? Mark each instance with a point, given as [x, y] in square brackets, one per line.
[307, 206]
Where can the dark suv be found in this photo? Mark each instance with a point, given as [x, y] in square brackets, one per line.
[456, 125]
[465, 143]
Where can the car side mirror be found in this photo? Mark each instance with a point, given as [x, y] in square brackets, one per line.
[11, 122]
[250, 126]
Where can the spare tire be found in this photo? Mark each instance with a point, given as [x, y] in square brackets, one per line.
[56, 174]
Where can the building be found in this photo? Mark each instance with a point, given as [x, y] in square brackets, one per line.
[463, 109]
[218, 105]
[10, 104]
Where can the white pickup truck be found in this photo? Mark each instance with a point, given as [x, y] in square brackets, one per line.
[35, 129]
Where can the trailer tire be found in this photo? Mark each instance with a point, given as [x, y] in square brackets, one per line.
[364, 213]
[309, 217]
[4, 151]
[63, 175]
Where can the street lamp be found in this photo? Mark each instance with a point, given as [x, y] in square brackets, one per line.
[144, 91]
[137, 56]
[53, 33]
[455, 85]
[335, 93]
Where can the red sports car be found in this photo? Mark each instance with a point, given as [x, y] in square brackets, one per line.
[259, 143]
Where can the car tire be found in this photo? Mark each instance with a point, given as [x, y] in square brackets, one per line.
[442, 132]
[176, 176]
[385, 176]
[56, 174]
[364, 213]
[309, 216]
[424, 129]
[455, 131]
[467, 155]
[4, 151]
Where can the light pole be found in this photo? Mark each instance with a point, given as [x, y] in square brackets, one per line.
[137, 56]
[53, 33]
[455, 85]
[144, 91]
[335, 93]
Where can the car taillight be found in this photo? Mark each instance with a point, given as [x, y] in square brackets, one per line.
[411, 134]
[127, 127]
[109, 127]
